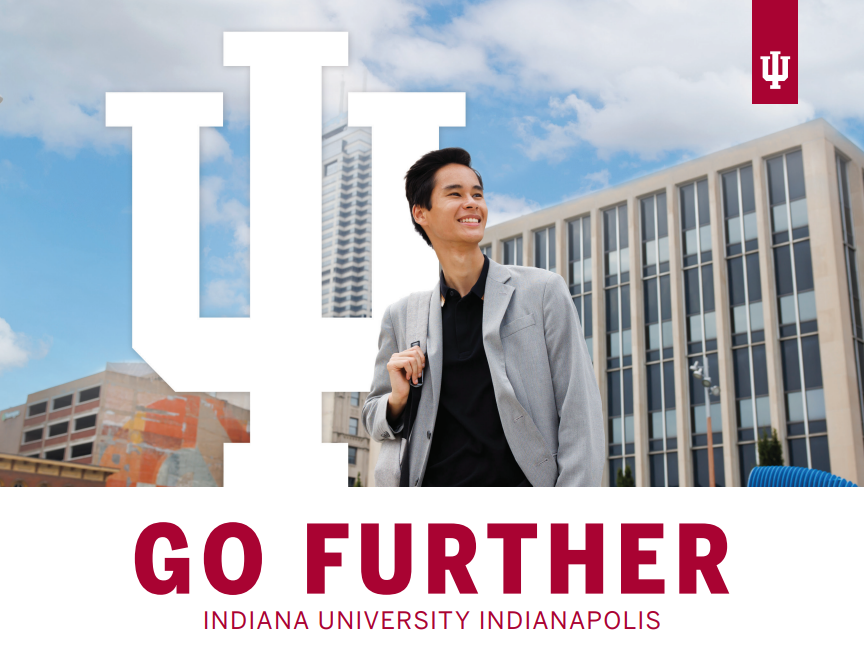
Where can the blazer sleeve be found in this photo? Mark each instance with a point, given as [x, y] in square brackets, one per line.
[581, 438]
[387, 469]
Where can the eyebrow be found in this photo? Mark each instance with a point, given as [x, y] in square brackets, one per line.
[456, 186]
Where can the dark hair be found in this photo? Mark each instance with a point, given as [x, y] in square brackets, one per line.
[420, 179]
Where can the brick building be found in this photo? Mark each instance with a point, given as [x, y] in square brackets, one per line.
[128, 419]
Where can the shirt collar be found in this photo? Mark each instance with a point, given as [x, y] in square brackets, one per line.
[479, 287]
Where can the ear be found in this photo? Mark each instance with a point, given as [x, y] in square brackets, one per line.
[419, 214]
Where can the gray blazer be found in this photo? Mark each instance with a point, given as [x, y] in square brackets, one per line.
[541, 372]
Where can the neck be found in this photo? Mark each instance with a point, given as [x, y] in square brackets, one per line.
[461, 267]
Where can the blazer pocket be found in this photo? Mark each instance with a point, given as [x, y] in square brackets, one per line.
[516, 325]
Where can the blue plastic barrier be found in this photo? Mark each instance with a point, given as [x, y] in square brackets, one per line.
[794, 476]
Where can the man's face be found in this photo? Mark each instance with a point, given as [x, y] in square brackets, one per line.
[458, 213]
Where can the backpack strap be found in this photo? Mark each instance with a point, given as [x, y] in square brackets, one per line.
[418, 318]
[416, 330]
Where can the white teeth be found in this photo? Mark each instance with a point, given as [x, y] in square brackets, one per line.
[470, 220]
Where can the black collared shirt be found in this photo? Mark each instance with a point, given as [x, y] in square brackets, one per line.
[469, 448]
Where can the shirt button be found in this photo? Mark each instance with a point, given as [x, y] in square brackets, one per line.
[452, 293]
[428, 434]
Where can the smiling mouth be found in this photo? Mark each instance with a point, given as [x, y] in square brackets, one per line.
[470, 220]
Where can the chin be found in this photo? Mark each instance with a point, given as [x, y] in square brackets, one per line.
[473, 235]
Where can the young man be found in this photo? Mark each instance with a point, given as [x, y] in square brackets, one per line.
[508, 394]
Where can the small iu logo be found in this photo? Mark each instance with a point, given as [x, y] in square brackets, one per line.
[780, 73]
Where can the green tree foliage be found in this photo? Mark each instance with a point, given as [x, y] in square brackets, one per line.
[357, 481]
[770, 450]
[625, 478]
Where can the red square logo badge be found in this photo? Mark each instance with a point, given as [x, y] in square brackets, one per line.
[775, 52]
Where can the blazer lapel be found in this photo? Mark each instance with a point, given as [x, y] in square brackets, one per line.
[435, 344]
[496, 299]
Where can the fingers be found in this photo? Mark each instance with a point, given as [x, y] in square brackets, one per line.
[418, 361]
[411, 362]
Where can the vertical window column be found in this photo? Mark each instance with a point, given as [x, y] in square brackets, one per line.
[701, 329]
[579, 274]
[619, 360]
[660, 377]
[512, 251]
[752, 404]
[544, 248]
[806, 427]
[852, 275]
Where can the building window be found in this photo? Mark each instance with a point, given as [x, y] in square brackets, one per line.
[487, 250]
[352, 426]
[56, 455]
[58, 429]
[81, 450]
[851, 274]
[544, 248]
[350, 481]
[37, 409]
[660, 375]
[33, 435]
[352, 455]
[513, 251]
[579, 274]
[61, 402]
[752, 403]
[355, 398]
[806, 428]
[619, 358]
[701, 329]
[88, 395]
[86, 422]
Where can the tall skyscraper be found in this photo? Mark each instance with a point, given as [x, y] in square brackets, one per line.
[347, 234]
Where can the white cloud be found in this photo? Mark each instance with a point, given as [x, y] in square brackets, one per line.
[217, 208]
[227, 294]
[654, 110]
[17, 349]
[506, 207]
[214, 146]
[59, 59]
[658, 76]
[598, 180]
[628, 75]
[236, 262]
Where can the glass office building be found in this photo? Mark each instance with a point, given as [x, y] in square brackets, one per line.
[744, 261]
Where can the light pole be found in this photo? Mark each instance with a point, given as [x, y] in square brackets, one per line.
[700, 375]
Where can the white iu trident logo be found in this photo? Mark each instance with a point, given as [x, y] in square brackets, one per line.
[779, 75]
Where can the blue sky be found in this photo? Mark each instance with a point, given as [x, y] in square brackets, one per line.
[563, 97]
